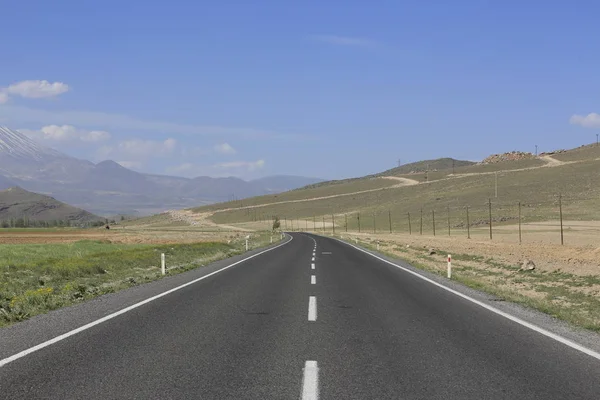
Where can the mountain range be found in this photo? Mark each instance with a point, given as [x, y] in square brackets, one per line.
[107, 188]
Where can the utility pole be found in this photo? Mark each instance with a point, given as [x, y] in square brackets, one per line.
[390, 219]
[453, 166]
[490, 208]
[536, 150]
[448, 220]
[333, 223]
[314, 223]
[358, 219]
[562, 239]
[346, 219]
[323, 224]
[496, 174]
[468, 225]
[520, 239]
[374, 223]
[596, 140]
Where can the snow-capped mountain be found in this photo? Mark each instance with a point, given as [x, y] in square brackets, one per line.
[17, 145]
[23, 158]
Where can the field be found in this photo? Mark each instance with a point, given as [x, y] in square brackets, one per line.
[42, 270]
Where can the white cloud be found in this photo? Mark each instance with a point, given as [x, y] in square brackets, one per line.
[66, 133]
[246, 165]
[147, 148]
[344, 40]
[106, 121]
[592, 120]
[130, 164]
[233, 168]
[35, 89]
[3, 97]
[96, 136]
[225, 148]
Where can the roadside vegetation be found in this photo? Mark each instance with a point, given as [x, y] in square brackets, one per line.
[37, 278]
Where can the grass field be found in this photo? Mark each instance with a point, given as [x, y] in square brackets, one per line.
[36, 278]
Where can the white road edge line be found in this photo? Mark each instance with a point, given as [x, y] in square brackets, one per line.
[313, 280]
[312, 266]
[312, 308]
[124, 310]
[310, 381]
[519, 321]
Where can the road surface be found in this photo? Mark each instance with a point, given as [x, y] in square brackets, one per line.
[282, 326]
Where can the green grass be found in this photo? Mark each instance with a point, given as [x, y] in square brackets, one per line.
[35, 279]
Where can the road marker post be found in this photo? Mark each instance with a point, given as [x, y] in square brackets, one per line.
[449, 266]
[163, 268]
[247, 237]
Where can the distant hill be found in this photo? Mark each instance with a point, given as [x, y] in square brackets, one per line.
[18, 203]
[283, 183]
[107, 188]
[422, 166]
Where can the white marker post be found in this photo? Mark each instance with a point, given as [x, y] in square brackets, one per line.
[449, 266]
[247, 237]
[378, 245]
[163, 268]
[271, 239]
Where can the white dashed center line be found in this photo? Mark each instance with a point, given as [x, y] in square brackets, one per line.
[310, 381]
[312, 308]
[313, 280]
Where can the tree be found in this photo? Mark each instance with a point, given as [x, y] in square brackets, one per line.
[276, 223]
[5, 224]
[122, 218]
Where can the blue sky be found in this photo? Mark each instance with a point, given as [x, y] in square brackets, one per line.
[330, 89]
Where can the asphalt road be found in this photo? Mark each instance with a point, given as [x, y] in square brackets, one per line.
[370, 331]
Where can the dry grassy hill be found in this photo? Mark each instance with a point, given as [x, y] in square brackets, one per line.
[536, 183]
[20, 204]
